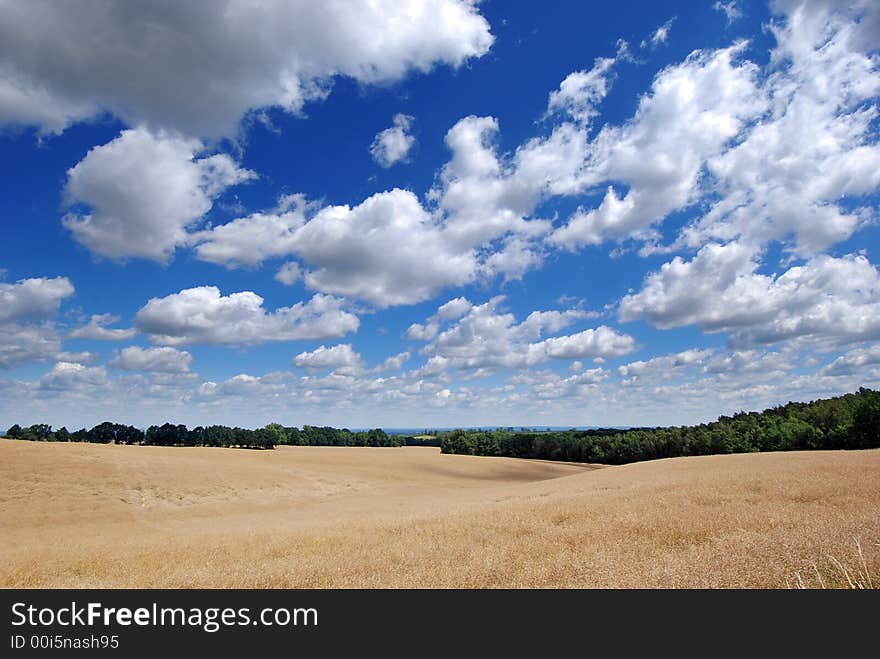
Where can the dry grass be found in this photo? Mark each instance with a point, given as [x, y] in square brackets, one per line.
[839, 575]
[81, 515]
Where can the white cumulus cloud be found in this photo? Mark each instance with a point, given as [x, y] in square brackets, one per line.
[74, 376]
[160, 360]
[854, 361]
[393, 145]
[486, 339]
[289, 273]
[657, 158]
[143, 191]
[580, 92]
[27, 331]
[198, 69]
[388, 250]
[804, 173]
[97, 329]
[720, 289]
[203, 315]
[36, 298]
[341, 358]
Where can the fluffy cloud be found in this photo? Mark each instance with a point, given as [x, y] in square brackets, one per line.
[388, 251]
[289, 273]
[700, 390]
[580, 92]
[248, 241]
[434, 368]
[197, 70]
[482, 198]
[26, 342]
[657, 158]
[97, 329]
[393, 363]
[144, 191]
[391, 249]
[716, 131]
[83, 357]
[73, 376]
[26, 331]
[716, 289]
[784, 152]
[341, 358]
[486, 339]
[451, 310]
[30, 299]
[836, 299]
[853, 361]
[392, 145]
[250, 388]
[203, 315]
[160, 360]
[663, 367]
[751, 361]
[600, 342]
[716, 134]
[804, 173]
[547, 385]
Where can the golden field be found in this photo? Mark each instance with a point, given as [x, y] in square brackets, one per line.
[85, 515]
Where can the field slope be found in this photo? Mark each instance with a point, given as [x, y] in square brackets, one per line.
[89, 515]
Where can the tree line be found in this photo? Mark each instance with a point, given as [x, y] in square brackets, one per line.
[851, 421]
[169, 434]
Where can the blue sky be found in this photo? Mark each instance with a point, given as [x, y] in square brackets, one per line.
[436, 213]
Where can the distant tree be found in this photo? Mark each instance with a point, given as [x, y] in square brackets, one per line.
[278, 432]
[166, 435]
[455, 442]
[14, 432]
[377, 437]
[196, 436]
[103, 433]
[263, 439]
[129, 435]
[218, 436]
[865, 432]
[241, 437]
[40, 432]
[151, 436]
[293, 435]
[849, 421]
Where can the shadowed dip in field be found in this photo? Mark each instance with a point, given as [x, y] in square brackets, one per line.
[87, 515]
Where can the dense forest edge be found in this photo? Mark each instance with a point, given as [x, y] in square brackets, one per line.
[851, 421]
[169, 434]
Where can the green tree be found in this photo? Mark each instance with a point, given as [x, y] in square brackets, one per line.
[865, 431]
[103, 433]
[278, 432]
[40, 431]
